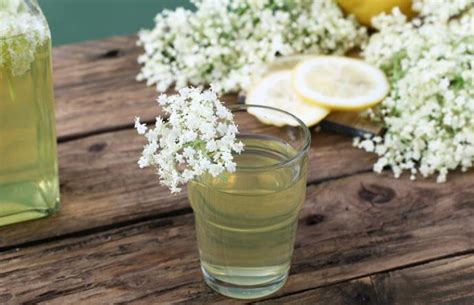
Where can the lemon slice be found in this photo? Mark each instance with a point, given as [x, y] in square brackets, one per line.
[280, 63]
[275, 90]
[340, 83]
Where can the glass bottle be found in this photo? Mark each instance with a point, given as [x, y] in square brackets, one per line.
[29, 186]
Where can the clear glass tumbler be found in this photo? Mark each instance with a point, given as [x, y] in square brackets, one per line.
[246, 221]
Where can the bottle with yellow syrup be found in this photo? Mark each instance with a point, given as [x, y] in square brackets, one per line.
[29, 186]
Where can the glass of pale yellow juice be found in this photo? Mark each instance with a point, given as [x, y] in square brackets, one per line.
[246, 220]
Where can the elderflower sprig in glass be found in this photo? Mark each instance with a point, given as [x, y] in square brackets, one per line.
[198, 137]
[245, 201]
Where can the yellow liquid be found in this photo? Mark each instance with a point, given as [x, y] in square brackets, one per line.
[246, 221]
[28, 160]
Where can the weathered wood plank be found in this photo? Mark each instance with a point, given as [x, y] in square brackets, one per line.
[365, 224]
[98, 266]
[101, 183]
[96, 90]
[95, 86]
[349, 228]
[446, 281]
[355, 292]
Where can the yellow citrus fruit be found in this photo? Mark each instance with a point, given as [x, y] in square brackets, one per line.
[339, 83]
[275, 90]
[364, 10]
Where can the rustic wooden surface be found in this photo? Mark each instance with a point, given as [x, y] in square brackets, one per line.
[121, 239]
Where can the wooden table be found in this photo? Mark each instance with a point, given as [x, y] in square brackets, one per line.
[120, 238]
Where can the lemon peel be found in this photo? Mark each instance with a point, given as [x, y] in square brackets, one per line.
[340, 83]
[275, 90]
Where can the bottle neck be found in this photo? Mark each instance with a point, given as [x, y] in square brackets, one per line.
[15, 7]
[32, 6]
[23, 29]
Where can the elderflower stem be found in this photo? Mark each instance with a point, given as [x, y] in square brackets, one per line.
[11, 91]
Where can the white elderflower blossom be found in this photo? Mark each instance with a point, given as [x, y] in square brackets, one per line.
[225, 42]
[429, 114]
[21, 33]
[199, 136]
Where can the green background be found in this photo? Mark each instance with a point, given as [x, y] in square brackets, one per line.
[78, 20]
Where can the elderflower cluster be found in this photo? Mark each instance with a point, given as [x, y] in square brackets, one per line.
[199, 136]
[429, 114]
[225, 42]
[21, 33]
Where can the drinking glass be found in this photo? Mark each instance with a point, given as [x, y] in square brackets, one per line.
[246, 220]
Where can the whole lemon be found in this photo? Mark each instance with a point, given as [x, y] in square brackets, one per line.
[364, 10]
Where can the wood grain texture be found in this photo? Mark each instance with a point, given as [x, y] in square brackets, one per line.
[378, 224]
[355, 292]
[447, 281]
[96, 89]
[366, 224]
[120, 238]
[95, 86]
[101, 184]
